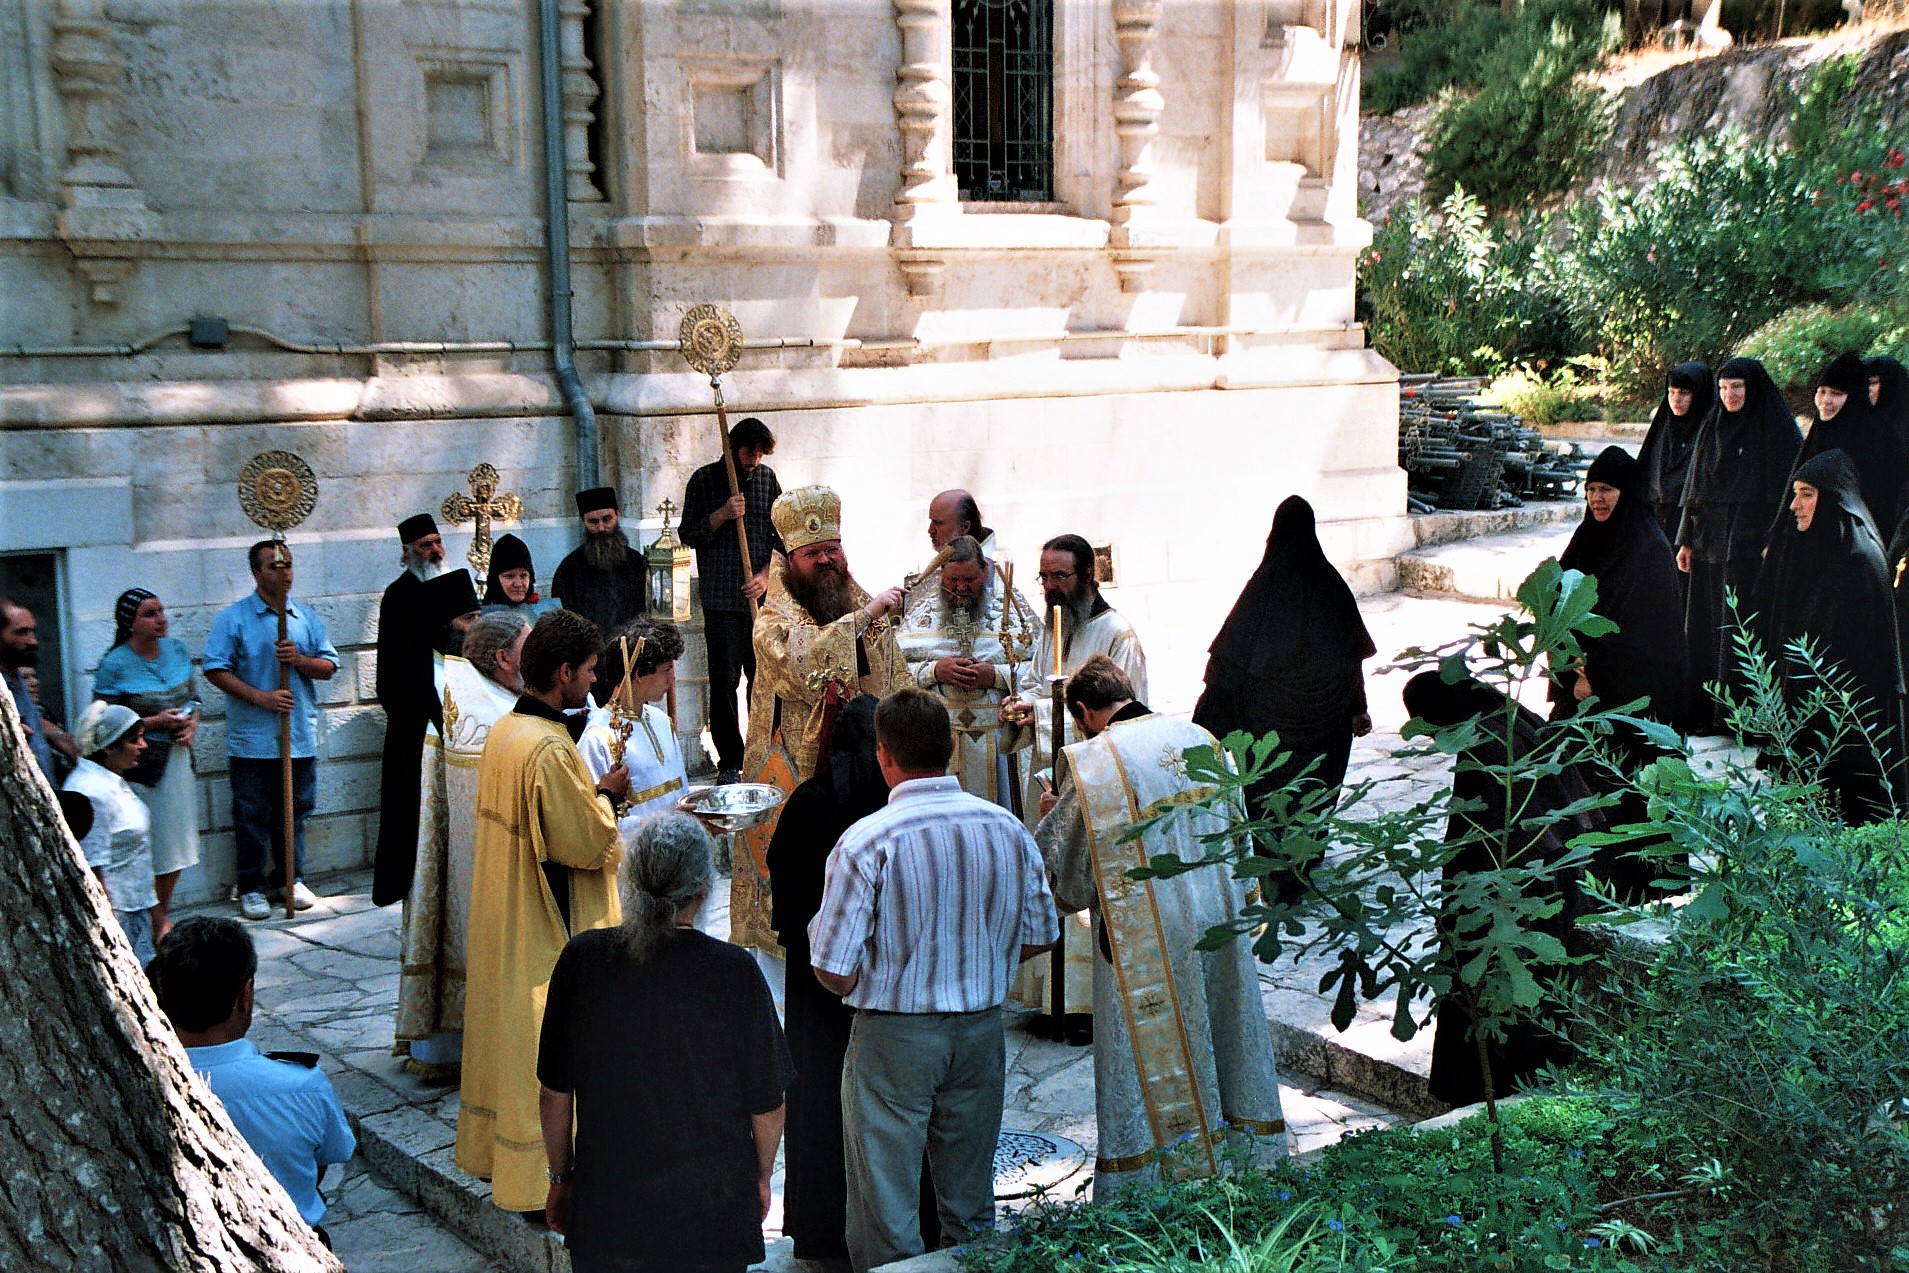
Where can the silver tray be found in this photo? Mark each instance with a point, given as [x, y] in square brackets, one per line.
[735, 807]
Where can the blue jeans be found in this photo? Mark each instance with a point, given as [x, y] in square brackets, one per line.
[258, 819]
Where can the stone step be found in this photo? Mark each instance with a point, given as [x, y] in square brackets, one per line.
[1488, 568]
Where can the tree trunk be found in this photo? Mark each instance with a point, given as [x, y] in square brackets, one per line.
[113, 1156]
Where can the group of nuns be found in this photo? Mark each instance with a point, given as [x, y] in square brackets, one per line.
[1794, 528]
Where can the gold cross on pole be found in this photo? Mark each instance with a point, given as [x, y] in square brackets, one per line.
[483, 505]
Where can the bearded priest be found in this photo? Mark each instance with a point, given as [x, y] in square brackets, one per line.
[820, 640]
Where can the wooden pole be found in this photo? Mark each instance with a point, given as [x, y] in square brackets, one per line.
[735, 486]
[285, 740]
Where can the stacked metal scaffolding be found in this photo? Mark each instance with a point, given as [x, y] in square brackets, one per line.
[1461, 452]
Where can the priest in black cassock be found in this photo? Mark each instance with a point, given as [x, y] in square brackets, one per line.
[413, 624]
[1738, 481]
[1825, 579]
[603, 579]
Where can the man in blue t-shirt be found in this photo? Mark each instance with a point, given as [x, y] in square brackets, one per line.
[282, 1104]
[242, 657]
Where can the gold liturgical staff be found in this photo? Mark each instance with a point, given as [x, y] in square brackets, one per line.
[277, 491]
[711, 341]
[483, 505]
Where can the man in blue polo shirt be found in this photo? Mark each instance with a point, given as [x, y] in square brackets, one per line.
[242, 658]
[283, 1104]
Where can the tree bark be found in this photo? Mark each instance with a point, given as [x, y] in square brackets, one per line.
[113, 1156]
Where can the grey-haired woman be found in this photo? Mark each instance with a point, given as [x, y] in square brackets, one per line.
[662, 1044]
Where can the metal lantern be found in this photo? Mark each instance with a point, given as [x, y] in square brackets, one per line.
[667, 560]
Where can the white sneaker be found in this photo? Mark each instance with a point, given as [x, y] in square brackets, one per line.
[253, 906]
[302, 897]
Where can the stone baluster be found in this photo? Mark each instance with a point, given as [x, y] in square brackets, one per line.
[1137, 105]
[923, 96]
[105, 212]
[579, 93]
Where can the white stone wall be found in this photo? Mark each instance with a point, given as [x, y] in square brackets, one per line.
[1153, 360]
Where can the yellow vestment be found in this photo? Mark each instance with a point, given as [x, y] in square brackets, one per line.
[795, 661]
[535, 804]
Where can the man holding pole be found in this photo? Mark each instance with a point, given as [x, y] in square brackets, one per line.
[726, 503]
[264, 652]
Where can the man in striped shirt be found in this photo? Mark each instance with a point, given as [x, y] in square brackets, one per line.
[930, 905]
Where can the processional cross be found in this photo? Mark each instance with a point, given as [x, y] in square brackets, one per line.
[483, 505]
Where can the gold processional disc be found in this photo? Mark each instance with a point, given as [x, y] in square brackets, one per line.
[277, 490]
[711, 339]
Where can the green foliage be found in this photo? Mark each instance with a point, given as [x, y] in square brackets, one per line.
[1561, 397]
[1445, 291]
[1798, 343]
[1770, 1036]
[1461, 47]
[1376, 1202]
[1535, 127]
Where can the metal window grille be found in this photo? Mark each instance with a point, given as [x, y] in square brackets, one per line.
[1004, 100]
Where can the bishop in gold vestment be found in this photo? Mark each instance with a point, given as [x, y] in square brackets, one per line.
[542, 830]
[817, 628]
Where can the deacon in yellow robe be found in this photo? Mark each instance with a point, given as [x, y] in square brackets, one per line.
[547, 852]
[817, 627]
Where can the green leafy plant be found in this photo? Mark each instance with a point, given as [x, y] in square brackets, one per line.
[1460, 46]
[1537, 398]
[1535, 127]
[1797, 344]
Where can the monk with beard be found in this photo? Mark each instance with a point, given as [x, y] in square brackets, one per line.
[1088, 626]
[603, 579]
[820, 640]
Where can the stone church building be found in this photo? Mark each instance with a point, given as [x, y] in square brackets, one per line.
[1091, 259]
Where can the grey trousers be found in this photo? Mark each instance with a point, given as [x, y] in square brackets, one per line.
[911, 1081]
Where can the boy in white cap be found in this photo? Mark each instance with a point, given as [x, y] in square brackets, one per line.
[119, 845]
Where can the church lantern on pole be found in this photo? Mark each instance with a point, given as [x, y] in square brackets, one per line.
[667, 560]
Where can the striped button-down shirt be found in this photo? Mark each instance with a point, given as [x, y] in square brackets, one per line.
[930, 900]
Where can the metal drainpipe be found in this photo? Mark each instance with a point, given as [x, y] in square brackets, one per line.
[557, 245]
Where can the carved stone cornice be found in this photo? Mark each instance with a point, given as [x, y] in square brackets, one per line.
[104, 215]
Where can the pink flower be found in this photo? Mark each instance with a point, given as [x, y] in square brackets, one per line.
[1865, 205]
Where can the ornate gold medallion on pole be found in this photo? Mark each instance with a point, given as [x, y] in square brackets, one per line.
[483, 505]
[711, 342]
[277, 491]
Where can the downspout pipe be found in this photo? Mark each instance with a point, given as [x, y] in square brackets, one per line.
[563, 347]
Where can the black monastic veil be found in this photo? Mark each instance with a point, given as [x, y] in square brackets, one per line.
[1665, 455]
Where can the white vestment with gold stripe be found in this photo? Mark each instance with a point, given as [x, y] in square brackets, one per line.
[437, 910]
[1183, 1056]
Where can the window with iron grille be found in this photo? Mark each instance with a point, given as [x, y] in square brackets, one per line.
[1004, 100]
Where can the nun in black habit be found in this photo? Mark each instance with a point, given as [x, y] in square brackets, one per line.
[1889, 395]
[846, 787]
[1737, 484]
[1846, 422]
[1826, 579]
[1288, 658]
[1621, 545]
[1665, 456]
[1508, 734]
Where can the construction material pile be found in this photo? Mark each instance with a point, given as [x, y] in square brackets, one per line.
[1460, 451]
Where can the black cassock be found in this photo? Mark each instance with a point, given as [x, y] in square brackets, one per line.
[847, 787]
[412, 626]
[607, 598]
[1830, 583]
[1637, 589]
[1665, 456]
[1738, 481]
[1537, 1039]
[1869, 437]
[1288, 658]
